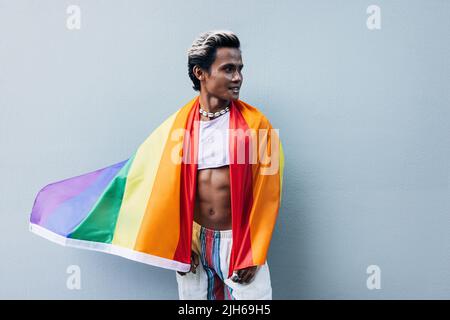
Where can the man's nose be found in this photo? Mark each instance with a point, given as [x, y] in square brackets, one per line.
[237, 76]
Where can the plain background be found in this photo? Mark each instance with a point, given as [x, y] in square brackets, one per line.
[363, 116]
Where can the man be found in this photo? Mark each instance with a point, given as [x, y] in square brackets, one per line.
[210, 219]
[215, 67]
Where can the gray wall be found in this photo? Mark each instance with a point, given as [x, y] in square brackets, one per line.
[363, 115]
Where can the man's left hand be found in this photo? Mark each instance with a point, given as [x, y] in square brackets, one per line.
[245, 275]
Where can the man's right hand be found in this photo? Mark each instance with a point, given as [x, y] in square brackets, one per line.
[194, 264]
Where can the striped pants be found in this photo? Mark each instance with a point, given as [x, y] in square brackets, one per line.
[210, 281]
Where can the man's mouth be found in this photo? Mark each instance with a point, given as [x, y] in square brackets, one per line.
[235, 89]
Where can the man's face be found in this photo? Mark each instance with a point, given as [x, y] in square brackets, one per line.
[225, 78]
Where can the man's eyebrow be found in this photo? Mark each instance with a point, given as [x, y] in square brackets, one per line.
[232, 65]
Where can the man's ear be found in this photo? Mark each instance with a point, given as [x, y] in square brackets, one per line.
[198, 73]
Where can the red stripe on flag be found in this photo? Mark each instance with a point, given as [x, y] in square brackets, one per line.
[241, 188]
[188, 186]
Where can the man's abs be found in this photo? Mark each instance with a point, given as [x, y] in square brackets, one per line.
[212, 202]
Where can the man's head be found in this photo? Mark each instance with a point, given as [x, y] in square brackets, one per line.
[215, 64]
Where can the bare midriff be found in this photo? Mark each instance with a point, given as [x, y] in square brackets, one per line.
[213, 199]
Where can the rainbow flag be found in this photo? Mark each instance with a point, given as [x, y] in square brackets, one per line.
[142, 208]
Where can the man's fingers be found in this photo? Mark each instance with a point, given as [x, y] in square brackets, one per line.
[247, 276]
[236, 276]
[194, 264]
[253, 272]
[251, 275]
[242, 273]
[196, 260]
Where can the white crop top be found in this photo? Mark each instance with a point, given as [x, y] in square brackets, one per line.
[213, 142]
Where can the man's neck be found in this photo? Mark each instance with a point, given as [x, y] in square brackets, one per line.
[212, 104]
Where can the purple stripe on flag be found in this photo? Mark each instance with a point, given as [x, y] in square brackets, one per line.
[70, 213]
[54, 194]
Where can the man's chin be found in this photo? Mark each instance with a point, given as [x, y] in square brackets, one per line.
[234, 97]
[228, 97]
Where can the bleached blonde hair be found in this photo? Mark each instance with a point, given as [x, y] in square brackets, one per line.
[203, 51]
